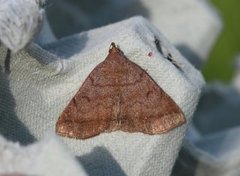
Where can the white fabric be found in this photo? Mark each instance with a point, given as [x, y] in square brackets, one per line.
[43, 81]
[19, 22]
[48, 157]
[191, 25]
[45, 35]
[215, 146]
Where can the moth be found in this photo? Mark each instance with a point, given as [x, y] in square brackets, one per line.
[119, 95]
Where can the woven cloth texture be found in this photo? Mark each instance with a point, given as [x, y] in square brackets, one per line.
[44, 79]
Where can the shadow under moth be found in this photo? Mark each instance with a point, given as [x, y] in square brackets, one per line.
[119, 95]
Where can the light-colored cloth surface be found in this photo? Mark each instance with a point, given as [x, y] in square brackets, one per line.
[43, 80]
[191, 25]
[45, 35]
[20, 20]
[48, 157]
[215, 147]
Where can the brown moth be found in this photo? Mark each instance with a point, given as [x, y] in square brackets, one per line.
[119, 95]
